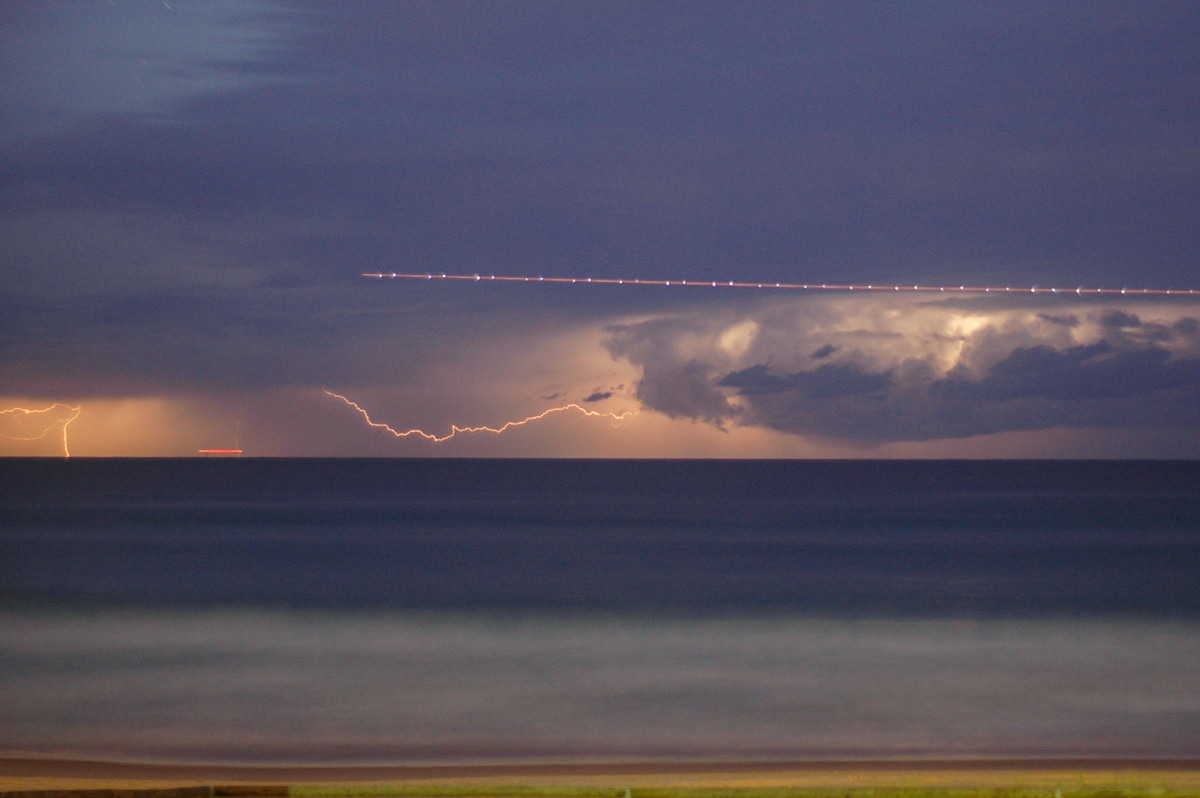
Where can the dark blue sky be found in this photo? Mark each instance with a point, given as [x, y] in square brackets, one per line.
[189, 192]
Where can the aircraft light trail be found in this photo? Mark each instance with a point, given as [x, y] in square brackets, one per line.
[888, 287]
[456, 430]
[61, 423]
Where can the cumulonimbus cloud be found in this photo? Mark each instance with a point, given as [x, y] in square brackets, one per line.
[891, 369]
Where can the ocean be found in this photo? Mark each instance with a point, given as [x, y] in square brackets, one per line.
[444, 610]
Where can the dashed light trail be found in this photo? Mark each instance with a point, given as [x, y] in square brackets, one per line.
[456, 430]
[888, 287]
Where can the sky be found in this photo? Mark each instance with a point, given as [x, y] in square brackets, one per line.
[190, 193]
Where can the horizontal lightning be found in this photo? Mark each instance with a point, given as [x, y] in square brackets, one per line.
[456, 430]
[891, 287]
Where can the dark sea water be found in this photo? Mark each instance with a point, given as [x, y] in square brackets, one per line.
[431, 610]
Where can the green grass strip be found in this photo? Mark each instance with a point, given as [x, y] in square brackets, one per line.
[494, 791]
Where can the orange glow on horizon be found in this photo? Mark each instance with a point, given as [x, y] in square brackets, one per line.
[456, 429]
[61, 423]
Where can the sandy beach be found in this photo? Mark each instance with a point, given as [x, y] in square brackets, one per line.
[17, 774]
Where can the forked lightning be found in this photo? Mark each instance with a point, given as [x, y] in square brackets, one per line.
[456, 430]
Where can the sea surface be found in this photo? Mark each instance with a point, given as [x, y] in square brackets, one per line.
[438, 610]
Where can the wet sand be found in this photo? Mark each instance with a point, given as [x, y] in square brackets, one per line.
[51, 774]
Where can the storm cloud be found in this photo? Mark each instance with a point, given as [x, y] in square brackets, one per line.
[190, 193]
[919, 371]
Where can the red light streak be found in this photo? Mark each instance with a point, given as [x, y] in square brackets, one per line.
[456, 430]
[60, 423]
[888, 287]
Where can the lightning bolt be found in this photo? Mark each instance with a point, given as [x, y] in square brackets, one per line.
[59, 423]
[456, 430]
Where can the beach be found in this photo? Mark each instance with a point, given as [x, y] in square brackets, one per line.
[1173, 775]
